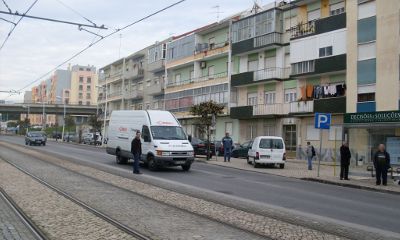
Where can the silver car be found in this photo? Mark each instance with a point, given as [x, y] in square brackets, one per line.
[35, 138]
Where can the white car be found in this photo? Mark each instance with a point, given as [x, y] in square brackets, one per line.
[267, 150]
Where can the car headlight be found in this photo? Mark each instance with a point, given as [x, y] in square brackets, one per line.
[162, 153]
[190, 153]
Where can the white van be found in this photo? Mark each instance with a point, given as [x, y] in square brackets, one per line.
[267, 150]
[164, 142]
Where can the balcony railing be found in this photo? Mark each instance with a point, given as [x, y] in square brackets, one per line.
[303, 29]
[271, 73]
[202, 47]
[198, 79]
[133, 94]
[139, 73]
[270, 109]
[301, 107]
[267, 39]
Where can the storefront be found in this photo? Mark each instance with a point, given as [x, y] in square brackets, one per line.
[365, 131]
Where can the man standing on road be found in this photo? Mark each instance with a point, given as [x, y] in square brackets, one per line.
[381, 164]
[345, 156]
[310, 151]
[227, 144]
[136, 150]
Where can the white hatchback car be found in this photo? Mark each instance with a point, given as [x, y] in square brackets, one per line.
[267, 150]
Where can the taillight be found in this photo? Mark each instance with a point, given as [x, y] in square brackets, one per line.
[284, 156]
[257, 155]
[201, 145]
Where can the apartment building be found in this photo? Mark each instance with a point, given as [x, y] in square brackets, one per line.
[134, 82]
[76, 85]
[197, 71]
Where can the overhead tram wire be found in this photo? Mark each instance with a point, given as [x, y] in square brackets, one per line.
[97, 41]
[16, 24]
[9, 9]
[76, 12]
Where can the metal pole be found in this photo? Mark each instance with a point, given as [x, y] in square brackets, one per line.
[62, 134]
[43, 120]
[27, 128]
[105, 115]
[334, 159]
[320, 150]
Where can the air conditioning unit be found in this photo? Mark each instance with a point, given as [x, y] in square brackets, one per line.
[203, 65]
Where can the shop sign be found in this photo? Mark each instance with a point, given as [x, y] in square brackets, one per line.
[372, 117]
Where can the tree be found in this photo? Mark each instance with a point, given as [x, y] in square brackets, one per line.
[205, 111]
[95, 123]
[69, 122]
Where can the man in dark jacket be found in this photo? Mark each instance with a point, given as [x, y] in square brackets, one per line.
[381, 164]
[136, 150]
[345, 156]
[227, 143]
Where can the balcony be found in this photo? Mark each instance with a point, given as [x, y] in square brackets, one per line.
[258, 111]
[258, 42]
[243, 112]
[155, 89]
[157, 66]
[319, 26]
[222, 75]
[263, 75]
[133, 94]
[330, 105]
[205, 50]
[135, 74]
[318, 66]
[301, 107]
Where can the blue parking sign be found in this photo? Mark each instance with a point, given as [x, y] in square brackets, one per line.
[322, 120]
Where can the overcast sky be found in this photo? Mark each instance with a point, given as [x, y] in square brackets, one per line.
[35, 47]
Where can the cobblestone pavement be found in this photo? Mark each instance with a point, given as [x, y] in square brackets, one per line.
[247, 221]
[11, 226]
[55, 215]
[359, 177]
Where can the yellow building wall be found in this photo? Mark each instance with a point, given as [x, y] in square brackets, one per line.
[302, 14]
[387, 52]
[325, 8]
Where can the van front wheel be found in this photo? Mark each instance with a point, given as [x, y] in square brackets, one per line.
[282, 166]
[119, 159]
[186, 167]
[151, 163]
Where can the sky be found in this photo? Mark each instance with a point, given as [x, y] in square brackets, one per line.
[35, 47]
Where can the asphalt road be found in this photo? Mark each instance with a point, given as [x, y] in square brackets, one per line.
[373, 210]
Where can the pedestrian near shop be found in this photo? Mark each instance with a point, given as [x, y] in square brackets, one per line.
[310, 151]
[227, 144]
[382, 165]
[345, 157]
[136, 150]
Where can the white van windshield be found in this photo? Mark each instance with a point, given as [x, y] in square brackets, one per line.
[168, 133]
[271, 143]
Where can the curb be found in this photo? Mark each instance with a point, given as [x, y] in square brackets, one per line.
[324, 181]
[349, 185]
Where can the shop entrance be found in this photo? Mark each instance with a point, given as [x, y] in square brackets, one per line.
[290, 137]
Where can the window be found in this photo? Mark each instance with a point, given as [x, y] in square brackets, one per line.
[251, 131]
[146, 134]
[290, 95]
[148, 83]
[211, 72]
[270, 97]
[80, 102]
[366, 97]
[192, 74]
[178, 78]
[88, 103]
[252, 99]
[228, 127]
[155, 105]
[80, 79]
[269, 130]
[156, 81]
[312, 133]
[325, 51]
[211, 43]
[88, 88]
[140, 106]
[366, 51]
[271, 143]
[366, 9]
[335, 129]
[80, 87]
[314, 15]
[303, 67]
[337, 8]
[366, 72]
[87, 95]
[89, 80]
[252, 66]
[140, 86]
[147, 106]
[80, 69]
[366, 30]
[80, 95]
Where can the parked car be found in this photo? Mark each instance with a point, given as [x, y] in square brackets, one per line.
[242, 150]
[267, 150]
[70, 137]
[220, 149]
[92, 138]
[35, 138]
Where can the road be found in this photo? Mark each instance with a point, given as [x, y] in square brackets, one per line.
[372, 210]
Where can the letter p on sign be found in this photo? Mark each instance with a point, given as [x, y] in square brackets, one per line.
[322, 120]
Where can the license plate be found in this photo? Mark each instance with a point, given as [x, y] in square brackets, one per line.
[180, 162]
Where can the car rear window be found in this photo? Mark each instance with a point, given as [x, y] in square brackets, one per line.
[271, 144]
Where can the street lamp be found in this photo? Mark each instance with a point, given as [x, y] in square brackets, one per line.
[62, 134]
[43, 116]
[27, 116]
[105, 111]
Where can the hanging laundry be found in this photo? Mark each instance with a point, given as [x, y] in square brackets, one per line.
[310, 89]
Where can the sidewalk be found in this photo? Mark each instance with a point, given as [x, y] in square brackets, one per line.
[359, 176]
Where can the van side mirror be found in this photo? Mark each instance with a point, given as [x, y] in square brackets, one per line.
[146, 138]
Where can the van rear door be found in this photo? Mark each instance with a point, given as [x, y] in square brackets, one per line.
[271, 149]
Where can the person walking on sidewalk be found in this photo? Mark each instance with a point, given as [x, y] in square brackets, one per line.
[136, 150]
[227, 144]
[381, 164]
[345, 157]
[310, 151]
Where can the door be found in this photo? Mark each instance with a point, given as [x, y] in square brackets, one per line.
[289, 133]
[146, 141]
